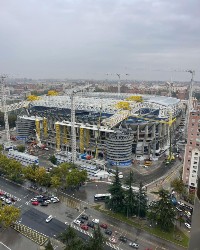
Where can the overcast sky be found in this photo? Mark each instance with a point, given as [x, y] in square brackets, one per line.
[89, 38]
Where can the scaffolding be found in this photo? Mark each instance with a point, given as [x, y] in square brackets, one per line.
[65, 141]
[57, 126]
[45, 127]
[87, 131]
[37, 125]
[81, 140]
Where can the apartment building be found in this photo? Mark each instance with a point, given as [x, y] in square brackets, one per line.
[192, 154]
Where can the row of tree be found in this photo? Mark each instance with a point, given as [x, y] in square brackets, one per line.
[128, 201]
[65, 175]
[160, 213]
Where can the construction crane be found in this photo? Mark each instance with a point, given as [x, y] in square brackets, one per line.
[4, 107]
[119, 82]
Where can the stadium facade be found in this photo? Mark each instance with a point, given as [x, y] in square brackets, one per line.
[137, 125]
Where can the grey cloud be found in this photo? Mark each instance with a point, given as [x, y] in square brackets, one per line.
[87, 38]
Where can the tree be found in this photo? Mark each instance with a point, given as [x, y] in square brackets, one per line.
[42, 177]
[55, 182]
[53, 159]
[8, 215]
[21, 148]
[162, 213]
[98, 240]
[130, 197]
[178, 185]
[71, 240]
[49, 246]
[116, 202]
[142, 201]
[75, 177]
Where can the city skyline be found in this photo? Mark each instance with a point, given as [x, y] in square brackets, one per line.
[87, 39]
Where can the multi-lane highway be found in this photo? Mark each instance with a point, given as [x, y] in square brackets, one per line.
[65, 212]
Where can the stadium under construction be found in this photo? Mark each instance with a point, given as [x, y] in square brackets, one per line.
[109, 126]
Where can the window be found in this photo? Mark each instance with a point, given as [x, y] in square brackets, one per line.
[196, 153]
[195, 162]
[194, 171]
[192, 124]
[193, 176]
[193, 120]
[195, 167]
[190, 142]
[188, 160]
[197, 144]
[196, 158]
[192, 184]
[188, 169]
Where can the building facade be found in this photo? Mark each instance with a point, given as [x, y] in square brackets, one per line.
[192, 154]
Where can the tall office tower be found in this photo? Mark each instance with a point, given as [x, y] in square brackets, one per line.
[195, 230]
[192, 154]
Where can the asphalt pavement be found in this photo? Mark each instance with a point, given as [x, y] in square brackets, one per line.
[66, 211]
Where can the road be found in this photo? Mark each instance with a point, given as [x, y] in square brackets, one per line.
[66, 211]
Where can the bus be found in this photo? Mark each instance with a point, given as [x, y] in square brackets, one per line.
[101, 197]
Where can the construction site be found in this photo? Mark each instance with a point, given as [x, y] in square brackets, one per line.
[109, 126]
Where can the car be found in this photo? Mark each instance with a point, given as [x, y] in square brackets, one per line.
[90, 224]
[54, 198]
[47, 201]
[134, 245]
[103, 225]
[7, 201]
[84, 227]
[180, 210]
[13, 199]
[113, 240]
[40, 200]
[34, 199]
[123, 239]
[81, 220]
[188, 225]
[181, 203]
[108, 231]
[96, 221]
[39, 196]
[77, 222]
[48, 219]
[188, 213]
[84, 216]
[43, 204]
[35, 203]
[3, 198]
[2, 193]
[55, 201]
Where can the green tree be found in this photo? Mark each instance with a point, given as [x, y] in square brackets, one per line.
[162, 213]
[130, 197]
[42, 177]
[75, 177]
[55, 182]
[178, 185]
[8, 215]
[21, 148]
[141, 201]
[71, 240]
[49, 246]
[116, 202]
[53, 159]
[98, 240]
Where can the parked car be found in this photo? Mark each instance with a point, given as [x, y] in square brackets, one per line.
[81, 220]
[48, 219]
[2, 193]
[34, 199]
[77, 222]
[134, 245]
[44, 204]
[90, 224]
[84, 227]
[7, 201]
[103, 225]
[113, 240]
[96, 221]
[108, 231]
[35, 203]
[123, 239]
[13, 199]
[188, 225]
[84, 216]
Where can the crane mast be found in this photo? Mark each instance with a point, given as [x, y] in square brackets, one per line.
[73, 131]
[4, 106]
